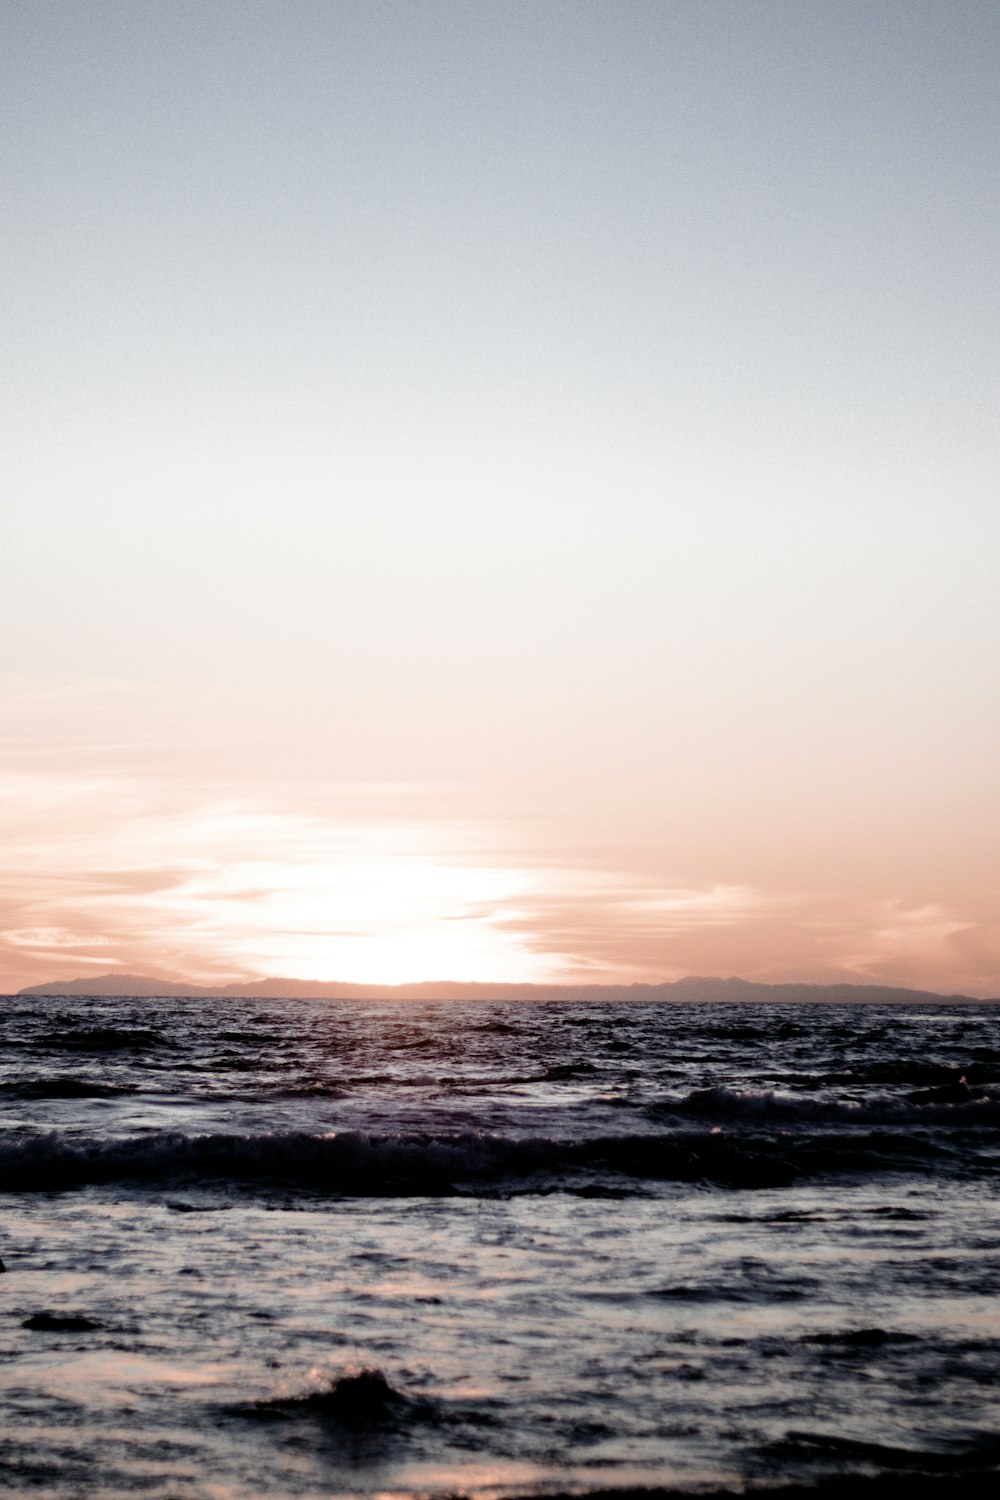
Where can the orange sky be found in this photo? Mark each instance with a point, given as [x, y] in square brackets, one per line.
[150, 858]
[501, 493]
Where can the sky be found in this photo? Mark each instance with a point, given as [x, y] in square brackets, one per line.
[500, 491]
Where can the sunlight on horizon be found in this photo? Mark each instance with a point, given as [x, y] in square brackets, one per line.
[218, 888]
[155, 875]
[380, 919]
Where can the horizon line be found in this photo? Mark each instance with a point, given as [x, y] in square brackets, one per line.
[141, 986]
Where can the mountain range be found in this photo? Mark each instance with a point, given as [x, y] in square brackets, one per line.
[692, 988]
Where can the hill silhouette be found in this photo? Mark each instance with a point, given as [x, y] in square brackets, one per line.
[692, 988]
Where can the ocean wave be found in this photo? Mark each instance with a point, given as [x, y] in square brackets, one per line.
[913, 1073]
[358, 1164]
[107, 1039]
[951, 1104]
[358, 1402]
[63, 1088]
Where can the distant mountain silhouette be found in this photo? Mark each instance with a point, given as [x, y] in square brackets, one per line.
[695, 987]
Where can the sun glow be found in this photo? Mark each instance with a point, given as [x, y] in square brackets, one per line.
[385, 919]
[183, 889]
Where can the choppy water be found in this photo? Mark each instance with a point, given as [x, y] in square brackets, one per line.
[586, 1246]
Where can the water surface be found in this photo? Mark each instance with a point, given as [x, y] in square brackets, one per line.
[586, 1246]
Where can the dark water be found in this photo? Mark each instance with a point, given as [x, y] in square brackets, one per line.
[585, 1247]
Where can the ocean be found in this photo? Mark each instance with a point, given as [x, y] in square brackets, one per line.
[320, 1248]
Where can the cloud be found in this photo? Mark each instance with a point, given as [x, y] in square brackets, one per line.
[629, 926]
[173, 876]
[189, 880]
[50, 938]
[919, 938]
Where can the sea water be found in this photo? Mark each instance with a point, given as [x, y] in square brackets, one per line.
[297, 1248]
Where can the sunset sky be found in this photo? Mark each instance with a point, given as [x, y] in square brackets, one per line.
[500, 489]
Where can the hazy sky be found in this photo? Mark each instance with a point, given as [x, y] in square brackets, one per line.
[500, 490]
